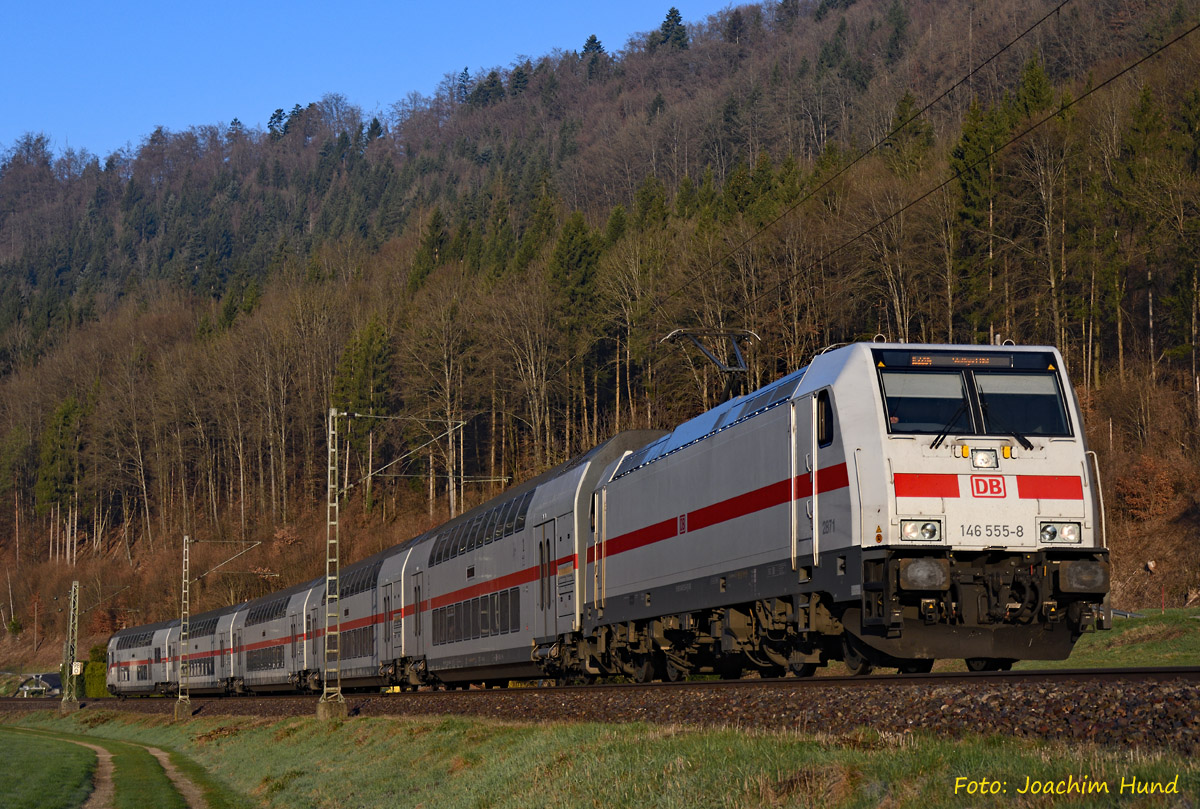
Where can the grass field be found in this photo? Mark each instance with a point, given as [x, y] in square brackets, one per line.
[39, 773]
[1170, 639]
[436, 763]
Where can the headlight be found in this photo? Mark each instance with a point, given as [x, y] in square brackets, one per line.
[984, 459]
[921, 530]
[1068, 532]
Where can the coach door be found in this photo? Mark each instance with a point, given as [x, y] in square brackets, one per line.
[391, 638]
[545, 603]
[418, 619]
[295, 663]
[564, 572]
[311, 655]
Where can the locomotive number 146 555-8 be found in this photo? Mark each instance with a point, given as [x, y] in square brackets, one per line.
[978, 530]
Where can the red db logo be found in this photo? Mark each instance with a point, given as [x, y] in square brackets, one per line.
[987, 486]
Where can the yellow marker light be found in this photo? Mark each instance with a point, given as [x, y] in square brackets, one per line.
[966, 451]
[1008, 452]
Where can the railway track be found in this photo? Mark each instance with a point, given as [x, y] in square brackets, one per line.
[1146, 707]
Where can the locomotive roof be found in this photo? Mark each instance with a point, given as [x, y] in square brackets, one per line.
[714, 420]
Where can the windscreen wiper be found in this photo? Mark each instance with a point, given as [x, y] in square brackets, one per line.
[937, 442]
[1004, 428]
[1022, 440]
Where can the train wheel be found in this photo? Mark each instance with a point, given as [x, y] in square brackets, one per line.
[802, 669]
[645, 669]
[856, 661]
[673, 673]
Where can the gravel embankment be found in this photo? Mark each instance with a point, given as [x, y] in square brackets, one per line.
[1109, 713]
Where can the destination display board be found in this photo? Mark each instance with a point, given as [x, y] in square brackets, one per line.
[948, 359]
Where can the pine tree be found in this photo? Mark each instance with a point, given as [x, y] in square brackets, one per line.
[275, 125]
[500, 242]
[788, 11]
[596, 57]
[973, 159]
[362, 387]
[58, 456]
[573, 269]
[463, 89]
[1035, 93]
[487, 92]
[518, 80]
[617, 224]
[912, 140]
[650, 204]
[672, 34]
[429, 254]
[897, 17]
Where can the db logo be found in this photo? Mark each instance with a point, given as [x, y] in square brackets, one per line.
[987, 486]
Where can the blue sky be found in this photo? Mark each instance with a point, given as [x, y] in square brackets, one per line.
[98, 76]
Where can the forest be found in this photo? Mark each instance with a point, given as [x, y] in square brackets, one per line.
[484, 278]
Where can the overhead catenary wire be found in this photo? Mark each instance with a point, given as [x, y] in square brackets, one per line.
[957, 174]
[859, 158]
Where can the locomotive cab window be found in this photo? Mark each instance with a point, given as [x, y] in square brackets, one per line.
[1030, 404]
[824, 419]
[925, 401]
[973, 394]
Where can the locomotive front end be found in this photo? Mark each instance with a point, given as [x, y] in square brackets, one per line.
[990, 546]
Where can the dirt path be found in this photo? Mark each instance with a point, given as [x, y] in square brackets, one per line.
[184, 785]
[102, 781]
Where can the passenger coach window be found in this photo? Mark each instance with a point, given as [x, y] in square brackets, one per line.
[925, 402]
[1028, 404]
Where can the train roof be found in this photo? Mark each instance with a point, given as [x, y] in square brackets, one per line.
[715, 420]
[528, 485]
[290, 591]
[138, 630]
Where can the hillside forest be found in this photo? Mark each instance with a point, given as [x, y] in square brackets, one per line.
[485, 275]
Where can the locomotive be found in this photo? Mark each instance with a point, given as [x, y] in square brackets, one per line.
[887, 505]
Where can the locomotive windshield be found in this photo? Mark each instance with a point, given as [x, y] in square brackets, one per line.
[1025, 403]
[925, 402]
[965, 395]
